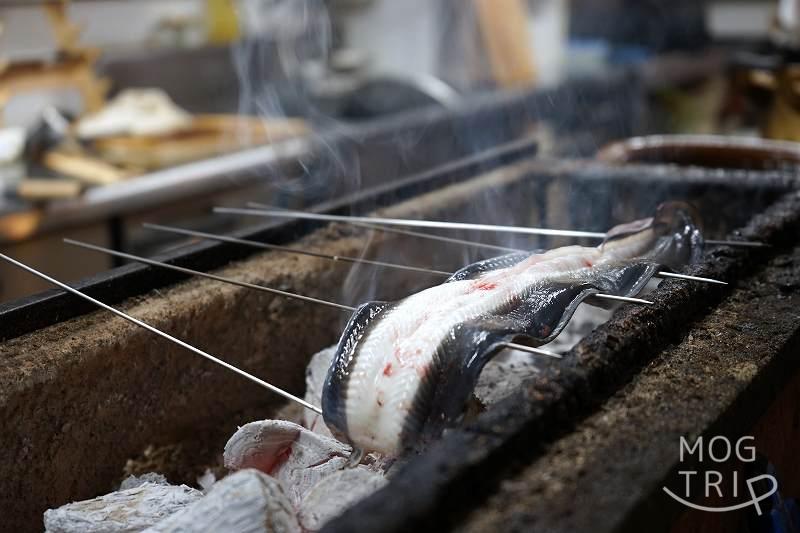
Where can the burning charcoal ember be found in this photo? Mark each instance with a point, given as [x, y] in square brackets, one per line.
[504, 374]
[332, 495]
[131, 509]
[290, 453]
[316, 371]
[247, 501]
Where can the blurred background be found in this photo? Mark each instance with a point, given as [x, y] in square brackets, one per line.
[116, 112]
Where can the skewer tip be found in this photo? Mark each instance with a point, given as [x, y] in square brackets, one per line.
[531, 349]
[690, 278]
[741, 244]
[626, 299]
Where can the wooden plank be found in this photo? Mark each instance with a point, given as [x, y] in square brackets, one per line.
[37, 190]
[208, 135]
[504, 27]
[83, 168]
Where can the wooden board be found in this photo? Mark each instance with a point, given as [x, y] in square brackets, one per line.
[39, 190]
[83, 167]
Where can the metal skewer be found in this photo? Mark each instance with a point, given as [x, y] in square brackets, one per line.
[429, 236]
[407, 222]
[740, 244]
[160, 333]
[448, 225]
[690, 278]
[531, 349]
[265, 246]
[661, 274]
[152, 262]
[191, 272]
[627, 299]
[257, 244]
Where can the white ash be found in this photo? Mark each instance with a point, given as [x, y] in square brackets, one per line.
[207, 480]
[587, 318]
[316, 372]
[290, 453]
[131, 509]
[583, 322]
[246, 502]
[131, 482]
[509, 369]
[331, 496]
[503, 374]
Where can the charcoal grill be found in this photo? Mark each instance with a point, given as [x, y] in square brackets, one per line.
[584, 446]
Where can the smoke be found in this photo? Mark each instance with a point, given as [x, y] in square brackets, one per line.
[284, 51]
[283, 39]
[283, 58]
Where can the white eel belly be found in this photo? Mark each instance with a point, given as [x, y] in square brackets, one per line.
[397, 353]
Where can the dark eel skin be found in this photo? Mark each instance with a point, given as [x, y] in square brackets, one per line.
[535, 316]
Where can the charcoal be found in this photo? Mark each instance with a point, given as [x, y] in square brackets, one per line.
[295, 456]
[135, 481]
[131, 509]
[207, 480]
[247, 501]
[338, 491]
